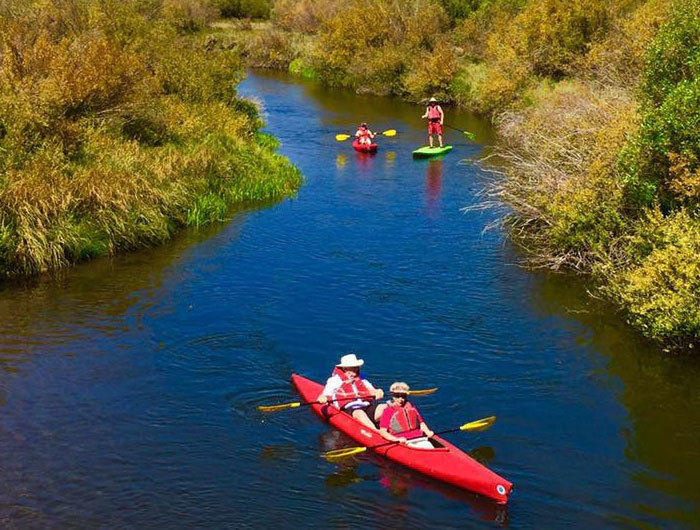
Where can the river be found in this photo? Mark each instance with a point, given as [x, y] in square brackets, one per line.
[128, 385]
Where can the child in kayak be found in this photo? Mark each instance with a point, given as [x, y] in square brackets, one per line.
[364, 135]
[350, 393]
[400, 421]
[436, 117]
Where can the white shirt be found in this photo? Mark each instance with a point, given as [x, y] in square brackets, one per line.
[334, 383]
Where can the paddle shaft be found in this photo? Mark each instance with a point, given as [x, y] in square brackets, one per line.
[409, 439]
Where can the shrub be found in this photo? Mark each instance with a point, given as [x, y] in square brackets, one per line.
[660, 288]
[671, 116]
[459, 9]
[305, 16]
[619, 59]
[561, 164]
[189, 15]
[258, 9]
[432, 72]
[372, 43]
[116, 132]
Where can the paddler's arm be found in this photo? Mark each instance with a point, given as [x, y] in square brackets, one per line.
[378, 393]
[426, 430]
[426, 113]
[442, 114]
[332, 384]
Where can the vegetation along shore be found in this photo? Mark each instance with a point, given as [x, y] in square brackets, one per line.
[597, 104]
[118, 126]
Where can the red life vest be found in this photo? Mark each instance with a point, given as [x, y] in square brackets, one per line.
[363, 133]
[433, 113]
[350, 390]
[404, 419]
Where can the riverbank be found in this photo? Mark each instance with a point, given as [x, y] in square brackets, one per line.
[597, 106]
[119, 127]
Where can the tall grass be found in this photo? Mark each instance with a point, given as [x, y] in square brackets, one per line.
[118, 127]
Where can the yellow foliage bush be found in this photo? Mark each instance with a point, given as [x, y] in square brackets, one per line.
[431, 72]
[386, 46]
[305, 16]
[660, 288]
[619, 58]
[561, 162]
[114, 131]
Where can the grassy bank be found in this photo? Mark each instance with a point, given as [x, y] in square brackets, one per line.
[597, 103]
[118, 126]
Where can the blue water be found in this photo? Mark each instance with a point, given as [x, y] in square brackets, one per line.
[128, 386]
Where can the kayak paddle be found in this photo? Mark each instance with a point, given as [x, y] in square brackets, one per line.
[343, 137]
[295, 404]
[468, 134]
[472, 426]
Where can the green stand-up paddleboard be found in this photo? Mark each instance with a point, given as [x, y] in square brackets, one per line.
[426, 152]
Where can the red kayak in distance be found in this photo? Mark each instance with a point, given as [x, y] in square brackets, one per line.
[445, 462]
[364, 148]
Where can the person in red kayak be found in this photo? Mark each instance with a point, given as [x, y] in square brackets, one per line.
[400, 421]
[436, 117]
[364, 135]
[350, 393]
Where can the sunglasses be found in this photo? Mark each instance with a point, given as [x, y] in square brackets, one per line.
[400, 395]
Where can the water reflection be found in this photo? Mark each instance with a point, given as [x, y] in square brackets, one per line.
[660, 394]
[401, 481]
[433, 186]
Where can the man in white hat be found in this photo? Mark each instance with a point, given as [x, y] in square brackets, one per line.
[401, 422]
[350, 393]
[436, 117]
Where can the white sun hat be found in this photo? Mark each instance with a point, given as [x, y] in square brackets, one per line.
[432, 99]
[350, 361]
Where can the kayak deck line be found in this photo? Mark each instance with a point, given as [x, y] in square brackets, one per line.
[444, 462]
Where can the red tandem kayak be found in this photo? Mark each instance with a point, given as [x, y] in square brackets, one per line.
[445, 462]
[364, 148]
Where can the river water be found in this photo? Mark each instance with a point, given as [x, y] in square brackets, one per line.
[128, 385]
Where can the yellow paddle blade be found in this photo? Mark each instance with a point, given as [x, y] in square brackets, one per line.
[342, 137]
[342, 453]
[284, 406]
[479, 425]
[422, 392]
[390, 132]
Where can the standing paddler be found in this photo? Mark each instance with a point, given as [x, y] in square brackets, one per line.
[436, 117]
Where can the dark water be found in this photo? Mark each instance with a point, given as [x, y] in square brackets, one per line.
[128, 386]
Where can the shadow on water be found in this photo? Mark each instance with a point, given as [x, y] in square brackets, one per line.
[659, 392]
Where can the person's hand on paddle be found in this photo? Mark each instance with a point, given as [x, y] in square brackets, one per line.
[402, 440]
[323, 399]
[429, 433]
[378, 394]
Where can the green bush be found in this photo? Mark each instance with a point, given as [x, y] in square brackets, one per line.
[459, 9]
[258, 9]
[671, 116]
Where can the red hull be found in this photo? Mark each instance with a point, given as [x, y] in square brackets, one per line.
[447, 463]
[365, 148]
